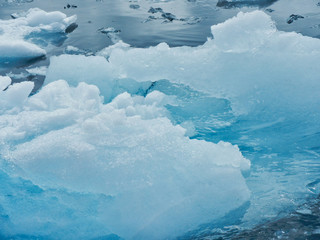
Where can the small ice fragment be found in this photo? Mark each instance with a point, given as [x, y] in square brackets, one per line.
[14, 15]
[155, 10]
[77, 51]
[108, 30]
[169, 16]
[71, 28]
[293, 17]
[304, 211]
[191, 20]
[269, 10]
[112, 33]
[134, 6]
[38, 70]
[150, 18]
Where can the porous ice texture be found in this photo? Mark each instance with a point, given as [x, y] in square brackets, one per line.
[160, 182]
[14, 32]
[14, 96]
[248, 61]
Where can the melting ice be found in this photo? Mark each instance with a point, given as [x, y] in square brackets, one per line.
[128, 150]
[104, 147]
[20, 38]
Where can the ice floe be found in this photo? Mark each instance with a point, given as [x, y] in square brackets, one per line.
[248, 61]
[162, 183]
[18, 37]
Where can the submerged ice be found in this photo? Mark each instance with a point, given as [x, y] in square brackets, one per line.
[103, 129]
[161, 182]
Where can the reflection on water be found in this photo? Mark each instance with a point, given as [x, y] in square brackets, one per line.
[232, 3]
[141, 27]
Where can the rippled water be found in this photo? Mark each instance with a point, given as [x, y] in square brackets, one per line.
[138, 32]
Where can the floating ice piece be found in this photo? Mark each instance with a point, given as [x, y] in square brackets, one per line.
[108, 30]
[13, 50]
[36, 20]
[270, 10]
[168, 16]
[293, 17]
[28, 25]
[134, 6]
[70, 6]
[242, 3]
[191, 20]
[243, 62]
[150, 18]
[38, 70]
[161, 183]
[71, 28]
[112, 33]
[155, 10]
[16, 1]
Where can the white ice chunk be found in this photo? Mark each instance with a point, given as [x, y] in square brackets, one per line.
[38, 70]
[245, 32]
[4, 82]
[53, 21]
[15, 95]
[84, 69]
[108, 50]
[248, 62]
[13, 44]
[161, 182]
[18, 49]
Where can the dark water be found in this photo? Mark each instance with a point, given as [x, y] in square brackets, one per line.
[191, 26]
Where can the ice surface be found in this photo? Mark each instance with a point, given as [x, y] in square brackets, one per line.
[38, 70]
[270, 77]
[15, 95]
[161, 182]
[137, 172]
[248, 61]
[14, 33]
[4, 82]
[18, 49]
[108, 50]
